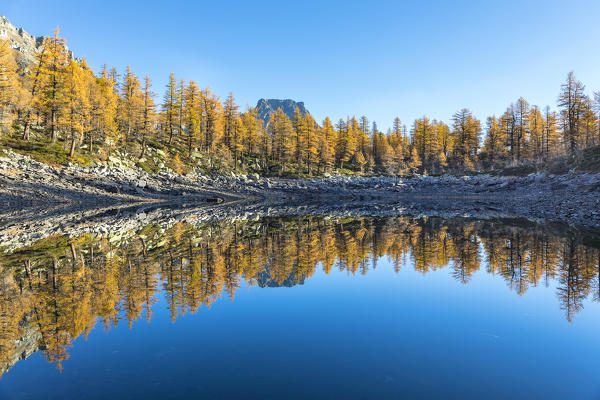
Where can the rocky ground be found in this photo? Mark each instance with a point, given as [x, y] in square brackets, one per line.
[38, 200]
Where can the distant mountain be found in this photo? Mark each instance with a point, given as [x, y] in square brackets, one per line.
[265, 280]
[266, 107]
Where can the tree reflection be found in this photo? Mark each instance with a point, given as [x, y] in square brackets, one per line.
[60, 288]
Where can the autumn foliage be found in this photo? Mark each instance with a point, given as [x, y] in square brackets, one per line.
[60, 101]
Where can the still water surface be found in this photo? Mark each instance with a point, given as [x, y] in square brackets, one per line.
[313, 308]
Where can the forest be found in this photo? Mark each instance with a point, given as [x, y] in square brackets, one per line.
[59, 110]
[64, 287]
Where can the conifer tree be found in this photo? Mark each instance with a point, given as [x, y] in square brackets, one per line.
[282, 132]
[535, 133]
[520, 133]
[230, 127]
[550, 134]
[507, 131]
[132, 104]
[571, 101]
[414, 162]
[76, 104]
[299, 134]
[310, 149]
[170, 106]
[494, 147]
[398, 145]
[53, 78]
[346, 141]
[253, 131]
[326, 146]
[180, 107]
[466, 131]
[34, 80]
[212, 119]
[423, 140]
[589, 125]
[148, 114]
[9, 86]
[192, 115]
[105, 102]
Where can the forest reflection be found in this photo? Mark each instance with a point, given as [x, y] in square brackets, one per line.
[60, 288]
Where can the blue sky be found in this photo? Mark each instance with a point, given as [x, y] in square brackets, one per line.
[377, 58]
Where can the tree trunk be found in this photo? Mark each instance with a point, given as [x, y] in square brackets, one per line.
[53, 126]
[26, 128]
[73, 142]
[143, 148]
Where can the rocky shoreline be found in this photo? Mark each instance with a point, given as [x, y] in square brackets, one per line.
[38, 199]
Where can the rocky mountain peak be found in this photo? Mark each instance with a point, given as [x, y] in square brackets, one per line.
[266, 107]
[27, 45]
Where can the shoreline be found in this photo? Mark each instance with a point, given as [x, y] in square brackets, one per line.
[36, 196]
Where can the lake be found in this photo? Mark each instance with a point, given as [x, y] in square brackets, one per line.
[305, 307]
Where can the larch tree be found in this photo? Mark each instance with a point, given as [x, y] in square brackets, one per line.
[132, 104]
[53, 78]
[76, 104]
[466, 130]
[346, 140]
[550, 134]
[589, 125]
[192, 115]
[180, 109]
[521, 137]
[282, 133]
[310, 149]
[148, 114]
[34, 81]
[212, 119]
[507, 131]
[105, 103]
[494, 148]
[169, 106]
[399, 145]
[423, 140]
[299, 134]
[252, 126]
[9, 86]
[535, 133]
[570, 102]
[444, 145]
[326, 146]
[230, 127]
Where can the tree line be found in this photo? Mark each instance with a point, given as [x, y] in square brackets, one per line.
[63, 288]
[60, 101]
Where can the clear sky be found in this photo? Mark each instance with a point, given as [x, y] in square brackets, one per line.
[377, 58]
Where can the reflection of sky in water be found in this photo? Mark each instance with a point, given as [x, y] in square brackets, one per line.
[384, 334]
